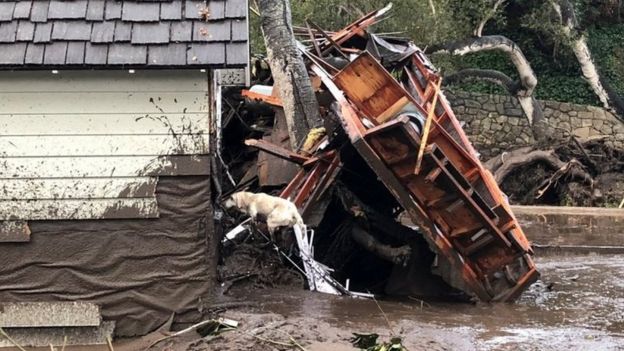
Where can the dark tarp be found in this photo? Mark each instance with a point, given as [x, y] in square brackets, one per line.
[139, 271]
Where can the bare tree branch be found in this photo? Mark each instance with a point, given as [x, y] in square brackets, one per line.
[479, 30]
[523, 90]
[607, 95]
[490, 43]
[490, 75]
[522, 157]
[529, 104]
[433, 8]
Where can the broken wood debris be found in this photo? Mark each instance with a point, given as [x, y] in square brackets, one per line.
[380, 98]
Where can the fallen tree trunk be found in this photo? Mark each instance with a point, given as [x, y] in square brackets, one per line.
[290, 75]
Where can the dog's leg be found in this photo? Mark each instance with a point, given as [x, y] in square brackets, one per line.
[253, 212]
[271, 225]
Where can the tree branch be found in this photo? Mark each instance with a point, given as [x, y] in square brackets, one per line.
[520, 158]
[490, 43]
[479, 30]
[607, 95]
[490, 75]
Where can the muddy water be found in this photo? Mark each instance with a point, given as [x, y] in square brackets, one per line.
[578, 305]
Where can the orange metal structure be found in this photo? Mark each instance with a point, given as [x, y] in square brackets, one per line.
[451, 197]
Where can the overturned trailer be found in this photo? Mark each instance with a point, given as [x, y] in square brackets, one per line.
[385, 95]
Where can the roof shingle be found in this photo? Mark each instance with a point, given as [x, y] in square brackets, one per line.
[140, 12]
[14, 54]
[6, 10]
[39, 11]
[25, 31]
[22, 9]
[103, 32]
[67, 9]
[34, 54]
[71, 30]
[128, 33]
[8, 30]
[75, 53]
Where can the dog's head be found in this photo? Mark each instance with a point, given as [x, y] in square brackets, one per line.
[229, 202]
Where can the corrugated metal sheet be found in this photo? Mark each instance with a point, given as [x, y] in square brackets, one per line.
[89, 145]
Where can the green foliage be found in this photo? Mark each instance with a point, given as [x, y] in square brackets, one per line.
[607, 46]
[529, 23]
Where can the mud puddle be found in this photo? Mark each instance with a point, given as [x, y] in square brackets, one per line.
[577, 305]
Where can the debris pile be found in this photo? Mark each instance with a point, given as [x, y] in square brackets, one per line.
[396, 195]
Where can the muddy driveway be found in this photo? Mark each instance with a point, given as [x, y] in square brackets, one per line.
[577, 305]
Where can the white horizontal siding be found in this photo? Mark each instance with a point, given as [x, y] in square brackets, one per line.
[78, 209]
[110, 166]
[98, 102]
[76, 188]
[89, 145]
[104, 124]
[104, 145]
[103, 81]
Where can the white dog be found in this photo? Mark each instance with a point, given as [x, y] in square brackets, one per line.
[278, 212]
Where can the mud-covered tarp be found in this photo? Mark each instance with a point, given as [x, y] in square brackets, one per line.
[139, 271]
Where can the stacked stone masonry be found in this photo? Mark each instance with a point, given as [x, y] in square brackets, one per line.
[495, 123]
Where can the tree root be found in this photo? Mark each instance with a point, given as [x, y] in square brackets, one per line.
[507, 163]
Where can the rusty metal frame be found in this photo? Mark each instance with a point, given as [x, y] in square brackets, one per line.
[510, 247]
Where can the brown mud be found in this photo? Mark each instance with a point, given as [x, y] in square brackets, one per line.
[577, 305]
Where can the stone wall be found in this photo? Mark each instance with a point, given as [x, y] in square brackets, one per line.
[496, 122]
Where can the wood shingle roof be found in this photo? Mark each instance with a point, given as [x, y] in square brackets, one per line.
[110, 33]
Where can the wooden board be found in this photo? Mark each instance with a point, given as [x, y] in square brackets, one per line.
[371, 88]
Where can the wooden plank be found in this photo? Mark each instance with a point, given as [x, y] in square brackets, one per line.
[78, 209]
[101, 81]
[103, 102]
[14, 232]
[106, 123]
[104, 145]
[369, 86]
[102, 166]
[81, 188]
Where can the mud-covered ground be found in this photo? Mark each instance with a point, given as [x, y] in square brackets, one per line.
[578, 305]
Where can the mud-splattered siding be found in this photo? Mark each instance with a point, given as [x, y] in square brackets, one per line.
[91, 144]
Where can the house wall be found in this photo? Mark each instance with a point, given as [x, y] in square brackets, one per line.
[110, 172]
[83, 145]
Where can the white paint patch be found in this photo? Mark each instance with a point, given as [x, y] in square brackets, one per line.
[78, 209]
